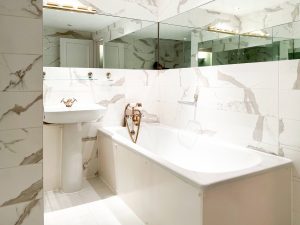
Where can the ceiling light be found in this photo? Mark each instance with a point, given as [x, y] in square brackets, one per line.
[71, 8]
[218, 29]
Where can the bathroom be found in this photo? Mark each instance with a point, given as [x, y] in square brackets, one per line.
[150, 112]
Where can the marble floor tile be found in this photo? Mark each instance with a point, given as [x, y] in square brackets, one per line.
[95, 204]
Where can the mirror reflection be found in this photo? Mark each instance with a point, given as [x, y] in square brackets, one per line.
[81, 39]
[218, 34]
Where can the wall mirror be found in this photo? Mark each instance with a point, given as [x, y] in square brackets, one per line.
[218, 33]
[79, 37]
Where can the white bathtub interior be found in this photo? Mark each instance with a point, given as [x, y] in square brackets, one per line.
[193, 152]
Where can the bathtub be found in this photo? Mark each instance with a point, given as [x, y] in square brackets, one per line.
[177, 177]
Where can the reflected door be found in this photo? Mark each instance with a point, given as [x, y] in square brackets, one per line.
[113, 55]
[76, 53]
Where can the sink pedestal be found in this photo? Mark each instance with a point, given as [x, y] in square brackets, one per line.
[71, 174]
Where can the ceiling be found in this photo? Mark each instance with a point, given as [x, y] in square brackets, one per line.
[241, 7]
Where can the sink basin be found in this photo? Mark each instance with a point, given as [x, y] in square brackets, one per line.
[75, 114]
[71, 118]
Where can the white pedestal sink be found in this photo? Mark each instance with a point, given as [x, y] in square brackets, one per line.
[71, 118]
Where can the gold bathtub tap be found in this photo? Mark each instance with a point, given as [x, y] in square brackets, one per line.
[68, 102]
[132, 120]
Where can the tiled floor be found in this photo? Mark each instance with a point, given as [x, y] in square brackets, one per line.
[95, 204]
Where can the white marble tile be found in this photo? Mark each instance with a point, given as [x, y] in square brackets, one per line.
[296, 218]
[90, 158]
[20, 110]
[169, 78]
[141, 78]
[296, 195]
[249, 75]
[141, 93]
[56, 73]
[240, 128]
[289, 130]
[294, 155]
[20, 184]
[289, 75]
[20, 35]
[258, 101]
[289, 109]
[20, 147]
[138, 9]
[20, 72]
[23, 8]
[26, 213]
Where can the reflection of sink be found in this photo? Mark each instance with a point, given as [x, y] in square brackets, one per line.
[71, 118]
[74, 114]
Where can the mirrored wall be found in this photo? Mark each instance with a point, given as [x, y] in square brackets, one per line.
[74, 38]
[218, 34]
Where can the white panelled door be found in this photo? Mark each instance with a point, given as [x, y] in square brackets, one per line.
[113, 55]
[76, 53]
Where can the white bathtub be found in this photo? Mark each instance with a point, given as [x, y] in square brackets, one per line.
[193, 165]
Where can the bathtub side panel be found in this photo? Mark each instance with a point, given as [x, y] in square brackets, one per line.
[157, 196]
[264, 199]
[106, 160]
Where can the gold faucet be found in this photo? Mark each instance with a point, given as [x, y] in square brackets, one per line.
[133, 113]
[69, 101]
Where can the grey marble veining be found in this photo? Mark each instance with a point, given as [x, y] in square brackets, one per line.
[18, 79]
[29, 194]
[114, 99]
[297, 82]
[19, 109]
[23, 8]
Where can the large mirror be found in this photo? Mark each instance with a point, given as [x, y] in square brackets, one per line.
[218, 33]
[75, 37]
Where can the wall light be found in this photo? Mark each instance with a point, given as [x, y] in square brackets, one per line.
[71, 8]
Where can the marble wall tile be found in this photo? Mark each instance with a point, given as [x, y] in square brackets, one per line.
[23, 8]
[20, 35]
[289, 97]
[264, 101]
[293, 154]
[296, 195]
[288, 132]
[52, 148]
[138, 9]
[170, 8]
[296, 218]
[20, 110]
[20, 72]
[25, 213]
[289, 75]
[22, 184]
[243, 75]
[20, 147]
[90, 157]
[287, 11]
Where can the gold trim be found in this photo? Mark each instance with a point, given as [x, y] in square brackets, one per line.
[249, 34]
[69, 8]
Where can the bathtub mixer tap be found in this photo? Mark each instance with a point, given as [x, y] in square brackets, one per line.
[132, 120]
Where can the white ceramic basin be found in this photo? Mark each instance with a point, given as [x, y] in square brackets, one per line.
[71, 118]
[75, 114]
